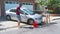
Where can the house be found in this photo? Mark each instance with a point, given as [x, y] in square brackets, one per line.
[30, 3]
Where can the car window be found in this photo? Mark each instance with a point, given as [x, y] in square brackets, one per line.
[13, 10]
[28, 11]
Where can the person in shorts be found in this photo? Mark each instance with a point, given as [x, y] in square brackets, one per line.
[47, 14]
[18, 14]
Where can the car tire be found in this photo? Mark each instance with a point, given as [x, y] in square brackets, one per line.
[30, 21]
[8, 17]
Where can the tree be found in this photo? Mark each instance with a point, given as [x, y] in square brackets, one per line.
[51, 4]
[42, 4]
[54, 5]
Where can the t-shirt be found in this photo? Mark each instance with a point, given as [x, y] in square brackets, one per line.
[46, 11]
[18, 10]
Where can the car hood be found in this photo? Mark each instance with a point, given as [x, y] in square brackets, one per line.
[34, 16]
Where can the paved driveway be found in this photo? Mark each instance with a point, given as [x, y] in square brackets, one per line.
[52, 28]
[5, 24]
[10, 27]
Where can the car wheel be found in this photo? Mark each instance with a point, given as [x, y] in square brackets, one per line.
[30, 21]
[8, 17]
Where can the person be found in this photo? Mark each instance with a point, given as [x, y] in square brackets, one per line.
[47, 14]
[18, 15]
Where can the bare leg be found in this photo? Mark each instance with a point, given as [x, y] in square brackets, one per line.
[18, 24]
[47, 19]
[19, 20]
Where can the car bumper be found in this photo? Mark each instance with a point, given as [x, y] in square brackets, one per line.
[38, 21]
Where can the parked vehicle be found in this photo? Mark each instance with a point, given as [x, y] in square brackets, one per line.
[27, 15]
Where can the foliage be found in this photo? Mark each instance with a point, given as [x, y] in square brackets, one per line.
[51, 11]
[53, 5]
[42, 2]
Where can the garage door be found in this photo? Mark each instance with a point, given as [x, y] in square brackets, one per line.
[28, 5]
[0, 10]
[10, 4]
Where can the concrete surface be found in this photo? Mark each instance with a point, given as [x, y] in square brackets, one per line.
[10, 27]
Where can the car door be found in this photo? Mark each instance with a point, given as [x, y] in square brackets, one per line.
[23, 17]
[13, 14]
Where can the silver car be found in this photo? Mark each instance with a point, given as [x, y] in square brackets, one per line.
[27, 15]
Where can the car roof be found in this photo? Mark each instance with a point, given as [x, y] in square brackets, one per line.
[16, 7]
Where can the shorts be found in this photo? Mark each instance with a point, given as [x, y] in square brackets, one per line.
[47, 13]
[19, 18]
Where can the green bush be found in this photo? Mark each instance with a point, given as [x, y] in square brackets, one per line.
[57, 10]
[51, 11]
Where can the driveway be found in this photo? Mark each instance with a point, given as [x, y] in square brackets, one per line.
[10, 27]
[5, 24]
[52, 28]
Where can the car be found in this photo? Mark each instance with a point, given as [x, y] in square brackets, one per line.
[27, 15]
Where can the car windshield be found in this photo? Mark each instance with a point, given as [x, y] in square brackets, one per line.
[29, 11]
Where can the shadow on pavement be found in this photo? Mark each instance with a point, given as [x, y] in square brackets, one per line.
[40, 26]
[1, 25]
[28, 27]
[2, 29]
